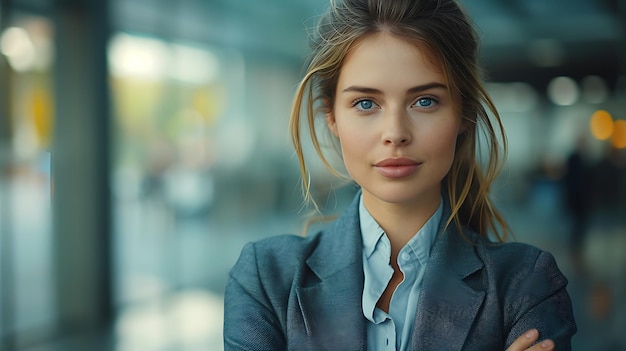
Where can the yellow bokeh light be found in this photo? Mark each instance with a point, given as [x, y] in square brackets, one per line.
[42, 111]
[602, 125]
[618, 139]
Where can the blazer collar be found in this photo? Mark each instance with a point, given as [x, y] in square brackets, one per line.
[341, 246]
[331, 304]
[450, 299]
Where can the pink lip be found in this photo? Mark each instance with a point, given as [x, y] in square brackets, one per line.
[397, 167]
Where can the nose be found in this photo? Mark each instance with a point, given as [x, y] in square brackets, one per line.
[396, 129]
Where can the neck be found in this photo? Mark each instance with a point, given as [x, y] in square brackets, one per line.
[400, 221]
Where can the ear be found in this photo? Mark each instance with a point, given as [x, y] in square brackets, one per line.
[331, 123]
[464, 126]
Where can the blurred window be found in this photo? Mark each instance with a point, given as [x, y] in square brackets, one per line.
[170, 107]
[26, 262]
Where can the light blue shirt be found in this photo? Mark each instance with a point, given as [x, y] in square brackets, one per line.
[392, 331]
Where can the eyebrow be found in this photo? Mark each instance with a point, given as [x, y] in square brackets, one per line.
[415, 89]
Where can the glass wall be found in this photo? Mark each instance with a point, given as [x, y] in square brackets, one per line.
[173, 107]
[27, 307]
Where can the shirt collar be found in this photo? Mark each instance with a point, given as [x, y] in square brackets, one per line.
[423, 240]
[372, 233]
[370, 229]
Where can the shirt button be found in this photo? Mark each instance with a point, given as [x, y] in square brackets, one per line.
[405, 256]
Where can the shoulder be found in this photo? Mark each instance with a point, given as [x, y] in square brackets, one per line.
[527, 284]
[258, 292]
[514, 252]
[274, 258]
[274, 250]
[522, 285]
[520, 267]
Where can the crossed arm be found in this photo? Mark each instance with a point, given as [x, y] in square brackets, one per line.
[525, 342]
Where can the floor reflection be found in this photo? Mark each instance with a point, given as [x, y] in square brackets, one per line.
[189, 320]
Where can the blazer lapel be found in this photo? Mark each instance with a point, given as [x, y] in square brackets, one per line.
[330, 299]
[448, 302]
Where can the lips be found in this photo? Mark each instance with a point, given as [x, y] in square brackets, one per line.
[396, 162]
[397, 167]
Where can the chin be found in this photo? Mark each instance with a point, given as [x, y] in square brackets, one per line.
[396, 196]
[404, 194]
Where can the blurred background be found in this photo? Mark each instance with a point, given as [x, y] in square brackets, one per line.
[143, 142]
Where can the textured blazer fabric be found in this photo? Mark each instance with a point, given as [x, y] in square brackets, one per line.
[304, 293]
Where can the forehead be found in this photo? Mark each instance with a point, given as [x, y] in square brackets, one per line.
[382, 56]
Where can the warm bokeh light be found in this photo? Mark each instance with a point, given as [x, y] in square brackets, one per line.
[601, 125]
[42, 109]
[618, 139]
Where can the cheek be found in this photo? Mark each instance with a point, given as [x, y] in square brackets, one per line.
[351, 146]
[443, 144]
[354, 146]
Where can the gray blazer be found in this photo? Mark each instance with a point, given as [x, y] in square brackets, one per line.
[304, 293]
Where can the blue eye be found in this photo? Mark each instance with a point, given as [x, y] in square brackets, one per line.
[364, 105]
[426, 102]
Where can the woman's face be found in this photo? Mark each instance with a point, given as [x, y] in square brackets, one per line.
[396, 123]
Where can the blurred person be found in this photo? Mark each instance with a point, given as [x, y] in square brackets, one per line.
[608, 186]
[409, 265]
[604, 248]
[577, 196]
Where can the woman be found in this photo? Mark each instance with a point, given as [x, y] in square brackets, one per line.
[408, 266]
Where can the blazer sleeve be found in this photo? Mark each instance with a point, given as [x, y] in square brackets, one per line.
[539, 300]
[250, 322]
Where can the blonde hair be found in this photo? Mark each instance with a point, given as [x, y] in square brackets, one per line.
[444, 29]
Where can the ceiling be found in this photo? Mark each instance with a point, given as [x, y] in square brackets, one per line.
[535, 40]
[530, 40]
